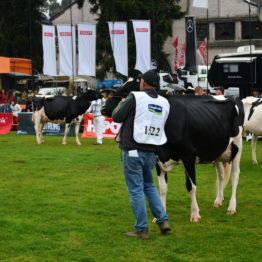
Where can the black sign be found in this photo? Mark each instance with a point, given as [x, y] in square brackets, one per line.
[26, 127]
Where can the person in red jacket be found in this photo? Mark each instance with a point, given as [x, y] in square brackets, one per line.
[2, 97]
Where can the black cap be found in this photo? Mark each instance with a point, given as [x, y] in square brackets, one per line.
[220, 88]
[150, 77]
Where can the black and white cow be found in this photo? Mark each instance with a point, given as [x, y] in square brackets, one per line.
[198, 127]
[253, 121]
[59, 110]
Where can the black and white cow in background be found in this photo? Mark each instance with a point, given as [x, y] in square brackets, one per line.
[59, 110]
[198, 127]
[253, 121]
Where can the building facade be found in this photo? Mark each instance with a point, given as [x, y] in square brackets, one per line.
[229, 26]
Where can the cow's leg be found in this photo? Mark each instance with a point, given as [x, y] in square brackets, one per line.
[189, 165]
[220, 187]
[253, 148]
[67, 129]
[41, 127]
[77, 127]
[37, 122]
[162, 182]
[235, 176]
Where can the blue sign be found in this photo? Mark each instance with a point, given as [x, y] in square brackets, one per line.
[108, 83]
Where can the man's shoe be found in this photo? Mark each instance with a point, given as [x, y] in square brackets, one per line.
[164, 227]
[138, 234]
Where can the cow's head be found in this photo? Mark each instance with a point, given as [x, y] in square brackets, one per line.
[122, 92]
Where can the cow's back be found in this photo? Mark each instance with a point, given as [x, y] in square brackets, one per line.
[57, 107]
[201, 125]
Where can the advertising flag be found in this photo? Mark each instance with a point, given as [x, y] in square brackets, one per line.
[142, 33]
[49, 51]
[202, 50]
[118, 37]
[67, 50]
[200, 3]
[87, 49]
[190, 44]
[176, 59]
[182, 56]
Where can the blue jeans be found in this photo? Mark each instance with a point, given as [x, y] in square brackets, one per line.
[139, 179]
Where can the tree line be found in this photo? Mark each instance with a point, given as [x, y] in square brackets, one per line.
[20, 27]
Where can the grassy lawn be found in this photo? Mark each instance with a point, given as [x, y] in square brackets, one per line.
[70, 204]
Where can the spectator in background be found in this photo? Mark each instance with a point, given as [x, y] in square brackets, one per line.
[5, 108]
[256, 93]
[29, 104]
[16, 109]
[107, 93]
[199, 91]
[24, 97]
[219, 91]
[3, 97]
[11, 97]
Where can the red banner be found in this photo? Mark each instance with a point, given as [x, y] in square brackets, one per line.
[182, 56]
[110, 130]
[176, 59]
[6, 120]
[203, 51]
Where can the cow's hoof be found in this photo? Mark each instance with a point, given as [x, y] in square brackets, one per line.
[217, 204]
[64, 144]
[79, 144]
[254, 162]
[231, 211]
[195, 219]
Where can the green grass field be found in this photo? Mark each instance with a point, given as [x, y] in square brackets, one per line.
[70, 204]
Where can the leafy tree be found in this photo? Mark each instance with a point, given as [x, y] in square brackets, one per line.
[160, 12]
[20, 30]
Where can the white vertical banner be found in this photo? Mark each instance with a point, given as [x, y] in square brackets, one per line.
[49, 51]
[143, 44]
[67, 55]
[200, 3]
[118, 37]
[87, 49]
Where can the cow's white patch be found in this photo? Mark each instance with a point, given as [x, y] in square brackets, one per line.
[220, 98]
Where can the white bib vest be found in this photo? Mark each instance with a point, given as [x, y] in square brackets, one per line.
[150, 118]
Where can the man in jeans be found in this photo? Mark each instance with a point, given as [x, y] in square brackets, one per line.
[143, 116]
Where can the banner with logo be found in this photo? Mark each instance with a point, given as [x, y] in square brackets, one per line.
[111, 128]
[118, 37]
[200, 3]
[87, 49]
[142, 33]
[67, 50]
[190, 44]
[26, 127]
[49, 50]
[176, 59]
[202, 51]
[182, 55]
[6, 120]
